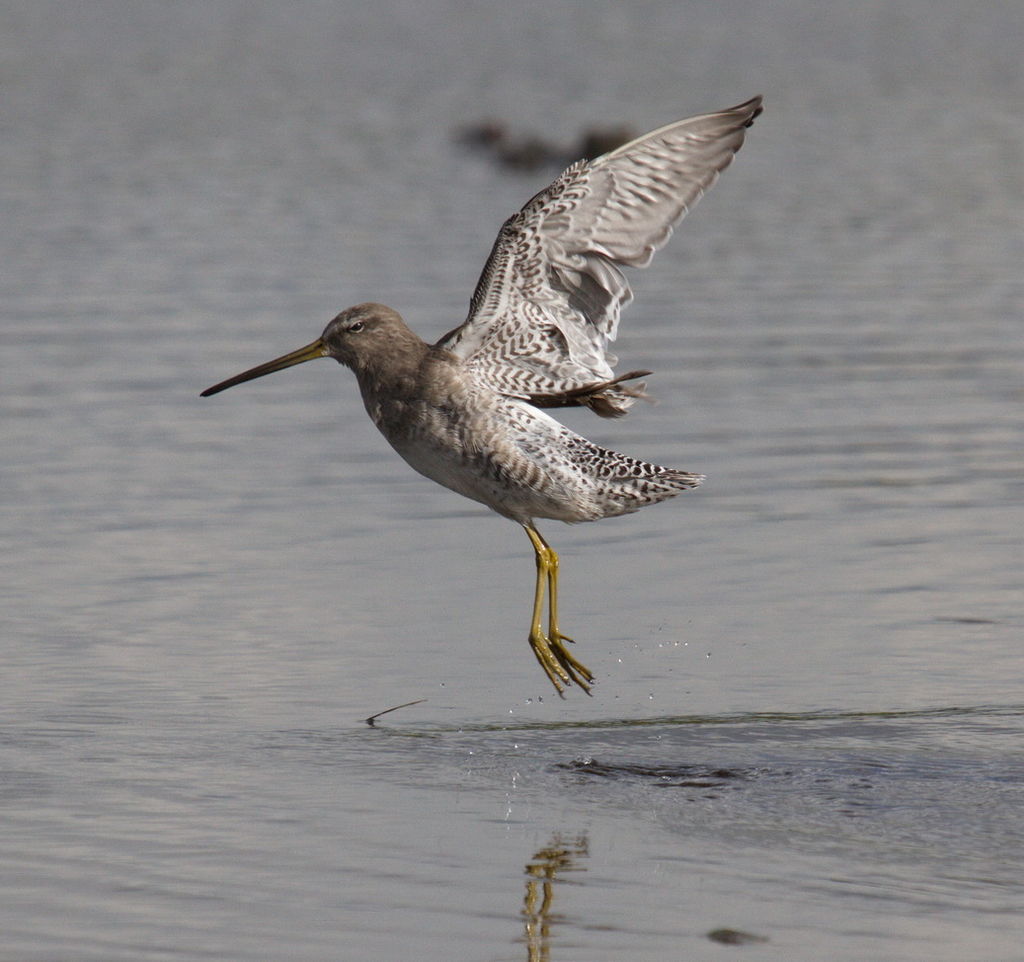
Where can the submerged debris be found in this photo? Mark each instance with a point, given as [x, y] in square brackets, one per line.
[528, 152]
[735, 937]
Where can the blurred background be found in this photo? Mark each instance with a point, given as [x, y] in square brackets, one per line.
[202, 599]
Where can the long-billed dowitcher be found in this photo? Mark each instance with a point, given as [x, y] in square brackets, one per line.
[467, 411]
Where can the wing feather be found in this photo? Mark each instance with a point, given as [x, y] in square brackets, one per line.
[548, 301]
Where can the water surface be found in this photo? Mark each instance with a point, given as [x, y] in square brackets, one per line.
[808, 714]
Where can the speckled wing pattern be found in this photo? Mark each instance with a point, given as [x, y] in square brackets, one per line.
[547, 304]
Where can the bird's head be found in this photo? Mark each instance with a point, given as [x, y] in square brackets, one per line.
[366, 338]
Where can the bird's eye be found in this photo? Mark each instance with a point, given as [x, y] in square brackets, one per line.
[356, 327]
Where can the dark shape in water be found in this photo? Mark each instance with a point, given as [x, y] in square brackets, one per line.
[530, 152]
[735, 937]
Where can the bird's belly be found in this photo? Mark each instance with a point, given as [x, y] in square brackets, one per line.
[497, 469]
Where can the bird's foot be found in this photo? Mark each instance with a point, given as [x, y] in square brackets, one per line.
[560, 667]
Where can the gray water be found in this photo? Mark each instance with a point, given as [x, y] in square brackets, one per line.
[810, 704]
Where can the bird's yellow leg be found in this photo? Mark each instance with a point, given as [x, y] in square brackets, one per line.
[554, 658]
[575, 668]
[538, 640]
[552, 573]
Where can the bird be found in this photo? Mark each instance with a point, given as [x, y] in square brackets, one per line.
[470, 411]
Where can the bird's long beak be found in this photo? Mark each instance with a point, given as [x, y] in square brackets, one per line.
[308, 353]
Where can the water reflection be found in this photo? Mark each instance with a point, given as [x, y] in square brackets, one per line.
[542, 872]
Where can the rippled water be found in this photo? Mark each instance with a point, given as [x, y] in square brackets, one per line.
[805, 734]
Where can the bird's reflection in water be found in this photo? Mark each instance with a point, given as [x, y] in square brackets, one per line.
[542, 872]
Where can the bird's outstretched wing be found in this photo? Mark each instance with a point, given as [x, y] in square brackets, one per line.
[547, 303]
